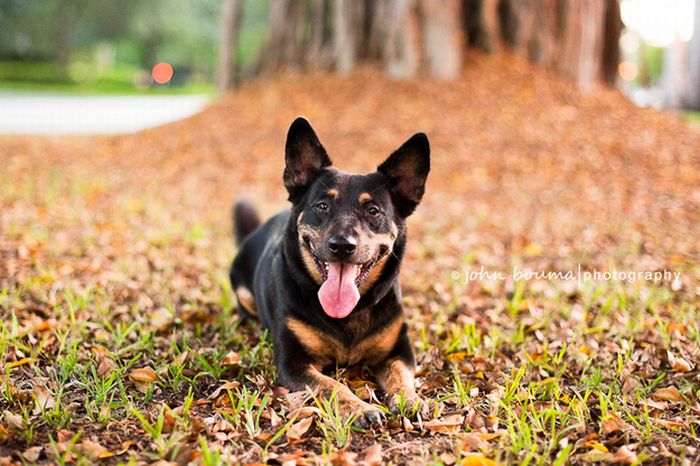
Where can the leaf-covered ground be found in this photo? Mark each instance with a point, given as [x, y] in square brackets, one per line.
[120, 341]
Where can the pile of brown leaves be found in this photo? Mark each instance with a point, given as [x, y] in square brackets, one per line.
[114, 250]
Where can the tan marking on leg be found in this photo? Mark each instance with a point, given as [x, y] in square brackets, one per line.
[348, 402]
[396, 377]
[365, 198]
[322, 347]
[332, 193]
[398, 382]
[245, 297]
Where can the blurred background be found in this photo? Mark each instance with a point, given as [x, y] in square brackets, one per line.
[101, 66]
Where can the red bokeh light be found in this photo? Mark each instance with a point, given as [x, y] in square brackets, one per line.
[162, 73]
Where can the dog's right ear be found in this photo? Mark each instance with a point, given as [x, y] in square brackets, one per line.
[304, 158]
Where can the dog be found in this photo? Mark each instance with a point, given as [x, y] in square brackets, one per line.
[323, 276]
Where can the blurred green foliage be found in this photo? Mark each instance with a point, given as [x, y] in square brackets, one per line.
[109, 45]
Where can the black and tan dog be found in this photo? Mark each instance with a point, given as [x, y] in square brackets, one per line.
[323, 277]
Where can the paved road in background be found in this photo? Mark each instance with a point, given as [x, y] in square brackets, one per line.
[32, 113]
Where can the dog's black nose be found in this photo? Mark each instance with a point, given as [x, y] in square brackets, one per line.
[342, 246]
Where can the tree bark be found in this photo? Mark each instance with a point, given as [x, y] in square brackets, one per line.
[344, 35]
[441, 37]
[64, 26]
[611, 42]
[582, 49]
[576, 38]
[230, 21]
[400, 51]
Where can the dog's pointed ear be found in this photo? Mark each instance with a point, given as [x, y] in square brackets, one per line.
[407, 169]
[304, 157]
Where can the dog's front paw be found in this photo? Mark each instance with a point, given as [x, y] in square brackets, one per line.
[367, 416]
[409, 405]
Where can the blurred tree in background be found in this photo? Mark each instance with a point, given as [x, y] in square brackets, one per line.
[577, 38]
[116, 43]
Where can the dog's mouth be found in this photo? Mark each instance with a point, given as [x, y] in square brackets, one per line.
[362, 270]
[339, 291]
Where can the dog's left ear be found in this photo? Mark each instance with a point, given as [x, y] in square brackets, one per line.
[407, 169]
[304, 158]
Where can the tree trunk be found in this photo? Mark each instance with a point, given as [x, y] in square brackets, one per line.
[344, 34]
[400, 51]
[582, 48]
[442, 37]
[694, 63]
[318, 34]
[576, 38]
[611, 42]
[285, 42]
[230, 21]
[64, 26]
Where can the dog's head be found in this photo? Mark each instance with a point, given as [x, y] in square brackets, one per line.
[348, 224]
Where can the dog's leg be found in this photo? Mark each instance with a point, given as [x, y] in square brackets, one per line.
[297, 370]
[396, 377]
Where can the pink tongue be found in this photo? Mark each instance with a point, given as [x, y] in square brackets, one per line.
[338, 294]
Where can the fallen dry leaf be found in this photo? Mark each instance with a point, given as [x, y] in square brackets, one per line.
[449, 424]
[471, 459]
[143, 375]
[596, 446]
[473, 442]
[667, 394]
[32, 454]
[106, 366]
[612, 424]
[681, 365]
[14, 420]
[43, 399]
[373, 455]
[305, 411]
[623, 455]
[92, 450]
[668, 424]
[161, 319]
[4, 434]
[344, 458]
[297, 430]
[231, 359]
[21, 362]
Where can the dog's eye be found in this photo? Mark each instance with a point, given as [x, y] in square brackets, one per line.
[322, 206]
[373, 211]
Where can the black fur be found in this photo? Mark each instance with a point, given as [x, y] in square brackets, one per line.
[270, 259]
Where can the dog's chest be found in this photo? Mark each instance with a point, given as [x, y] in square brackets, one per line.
[364, 346]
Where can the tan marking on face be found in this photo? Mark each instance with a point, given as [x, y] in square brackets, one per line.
[332, 193]
[245, 297]
[309, 262]
[372, 242]
[396, 377]
[373, 274]
[326, 350]
[365, 198]
[394, 231]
